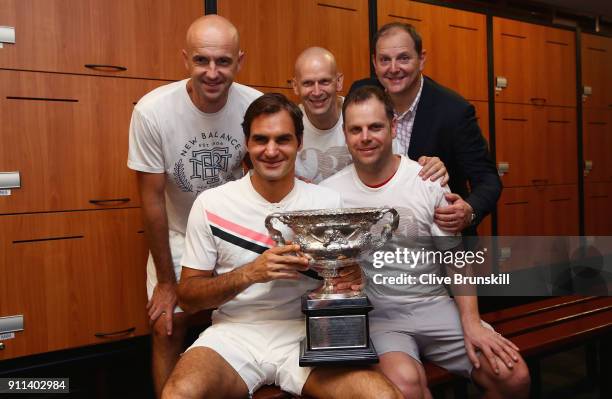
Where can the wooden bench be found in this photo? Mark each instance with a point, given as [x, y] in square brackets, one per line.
[537, 328]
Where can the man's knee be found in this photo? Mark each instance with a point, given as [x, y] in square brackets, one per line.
[407, 381]
[515, 381]
[410, 385]
[177, 388]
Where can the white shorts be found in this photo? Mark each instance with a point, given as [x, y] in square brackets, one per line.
[431, 328]
[177, 246]
[261, 353]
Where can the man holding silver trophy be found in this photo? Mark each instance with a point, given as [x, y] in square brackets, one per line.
[414, 320]
[230, 264]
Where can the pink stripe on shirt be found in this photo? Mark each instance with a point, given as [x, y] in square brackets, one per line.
[243, 231]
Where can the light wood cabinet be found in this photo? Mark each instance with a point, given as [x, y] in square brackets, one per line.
[596, 57]
[136, 38]
[538, 63]
[68, 136]
[538, 143]
[274, 32]
[455, 42]
[541, 210]
[78, 278]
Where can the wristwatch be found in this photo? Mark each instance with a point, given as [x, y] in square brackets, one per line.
[472, 218]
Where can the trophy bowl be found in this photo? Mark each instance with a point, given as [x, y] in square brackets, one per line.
[337, 324]
[333, 238]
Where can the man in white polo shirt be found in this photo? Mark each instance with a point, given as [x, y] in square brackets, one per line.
[230, 264]
[414, 320]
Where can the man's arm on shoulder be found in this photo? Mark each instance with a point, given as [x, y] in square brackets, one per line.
[152, 189]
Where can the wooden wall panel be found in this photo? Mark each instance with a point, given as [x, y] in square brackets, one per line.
[66, 35]
[454, 40]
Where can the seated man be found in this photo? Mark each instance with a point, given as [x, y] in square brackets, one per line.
[411, 320]
[228, 264]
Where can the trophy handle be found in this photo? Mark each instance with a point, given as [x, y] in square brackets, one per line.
[276, 235]
[389, 228]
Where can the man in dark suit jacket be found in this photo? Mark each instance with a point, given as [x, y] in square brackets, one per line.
[435, 121]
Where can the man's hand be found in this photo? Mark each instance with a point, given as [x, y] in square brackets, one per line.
[433, 169]
[162, 304]
[454, 217]
[492, 345]
[283, 262]
[350, 279]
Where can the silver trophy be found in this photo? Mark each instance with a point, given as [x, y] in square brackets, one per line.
[336, 322]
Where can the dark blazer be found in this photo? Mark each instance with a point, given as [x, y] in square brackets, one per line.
[445, 126]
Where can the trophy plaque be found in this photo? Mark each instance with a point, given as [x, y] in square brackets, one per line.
[337, 331]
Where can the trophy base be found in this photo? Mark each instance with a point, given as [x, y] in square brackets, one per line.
[337, 332]
[334, 357]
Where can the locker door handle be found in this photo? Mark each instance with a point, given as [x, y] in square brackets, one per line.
[105, 68]
[110, 200]
[115, 334]
[538, 100]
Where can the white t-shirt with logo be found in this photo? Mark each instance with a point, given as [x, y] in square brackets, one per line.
[415, 200]
[227, 230]
[196, 150]
[323, 152]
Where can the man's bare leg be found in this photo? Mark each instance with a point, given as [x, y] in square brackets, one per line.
[203, 373]
[350, 383]
[166, 349]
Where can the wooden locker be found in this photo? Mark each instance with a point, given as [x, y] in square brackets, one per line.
[537, 62]
[558, 126]
[68, 136]
[272, 47]
[597, 142]
[78, 278]
[559, 210]
[136, 38]
[597, 212]
[596, 57]
[538, 211]
[517, 212]
[520, 144]
[267, 36]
